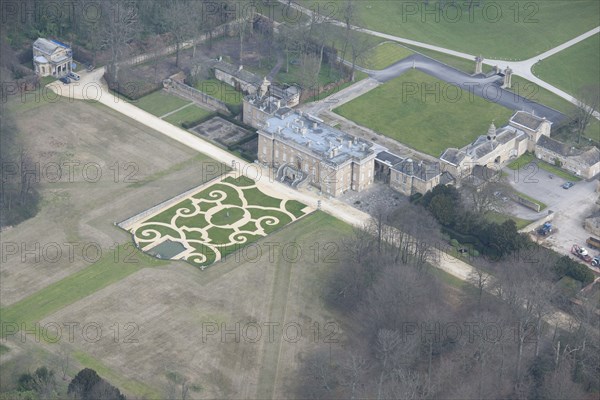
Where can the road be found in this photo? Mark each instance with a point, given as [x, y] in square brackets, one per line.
[520, 68]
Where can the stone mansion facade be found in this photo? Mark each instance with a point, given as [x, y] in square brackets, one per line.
[304, 150]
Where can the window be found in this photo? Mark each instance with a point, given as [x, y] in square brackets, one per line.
[276, 153]
[284, 157]
[264, 149]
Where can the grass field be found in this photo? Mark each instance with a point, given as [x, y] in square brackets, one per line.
[572, 68]
[326, 75]
[529, 158]
[114, 266]
[217, 221]
[493, 29]
[385, 55]
[189, 114]
[160, 103]
[422, 121]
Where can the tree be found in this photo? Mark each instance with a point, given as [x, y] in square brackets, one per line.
[82, 384]
[64, 359]
[586, 105]
[179, 386]
[120, 27]
[42, 382]
[182, 24]
[360, 46]
[353, 370]
[88, 385]
[485, 197]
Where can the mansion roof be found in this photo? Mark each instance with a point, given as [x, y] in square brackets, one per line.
[325, 142]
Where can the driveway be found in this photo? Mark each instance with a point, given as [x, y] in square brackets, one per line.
[571, 206]
[480, 85]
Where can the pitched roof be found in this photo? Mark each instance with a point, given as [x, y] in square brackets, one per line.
[527, 120]
[241, 74]
[453, 156]
[388, 158]
[45, 46]
[548, 143]
[422, 170]
[589, 156]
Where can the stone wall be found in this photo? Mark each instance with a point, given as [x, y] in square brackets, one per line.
[195, 95]
[231, 80]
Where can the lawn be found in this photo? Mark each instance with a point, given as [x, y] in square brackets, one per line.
[385, 55]
[160, 103]
[425, 122]
[529, 158]
[327, 75]
[572, 68]
[499, 218]
[218, 220]
[111, 268]
[220, 90]
[189, 114]
[500, 30]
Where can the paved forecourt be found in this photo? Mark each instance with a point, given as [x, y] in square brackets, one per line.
[207, 223]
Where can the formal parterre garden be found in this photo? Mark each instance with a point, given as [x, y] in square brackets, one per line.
[215, 221]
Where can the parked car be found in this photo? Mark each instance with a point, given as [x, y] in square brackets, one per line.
[74, 76]
[65, 80]
[567, 185]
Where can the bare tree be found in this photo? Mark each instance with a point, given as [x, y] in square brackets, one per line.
[480, 280]
[485, 196]
[587, 104]
[120, 27]
[182, 23]
[353, 370]
[360, 45]
[387, 343]
[64, 354]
